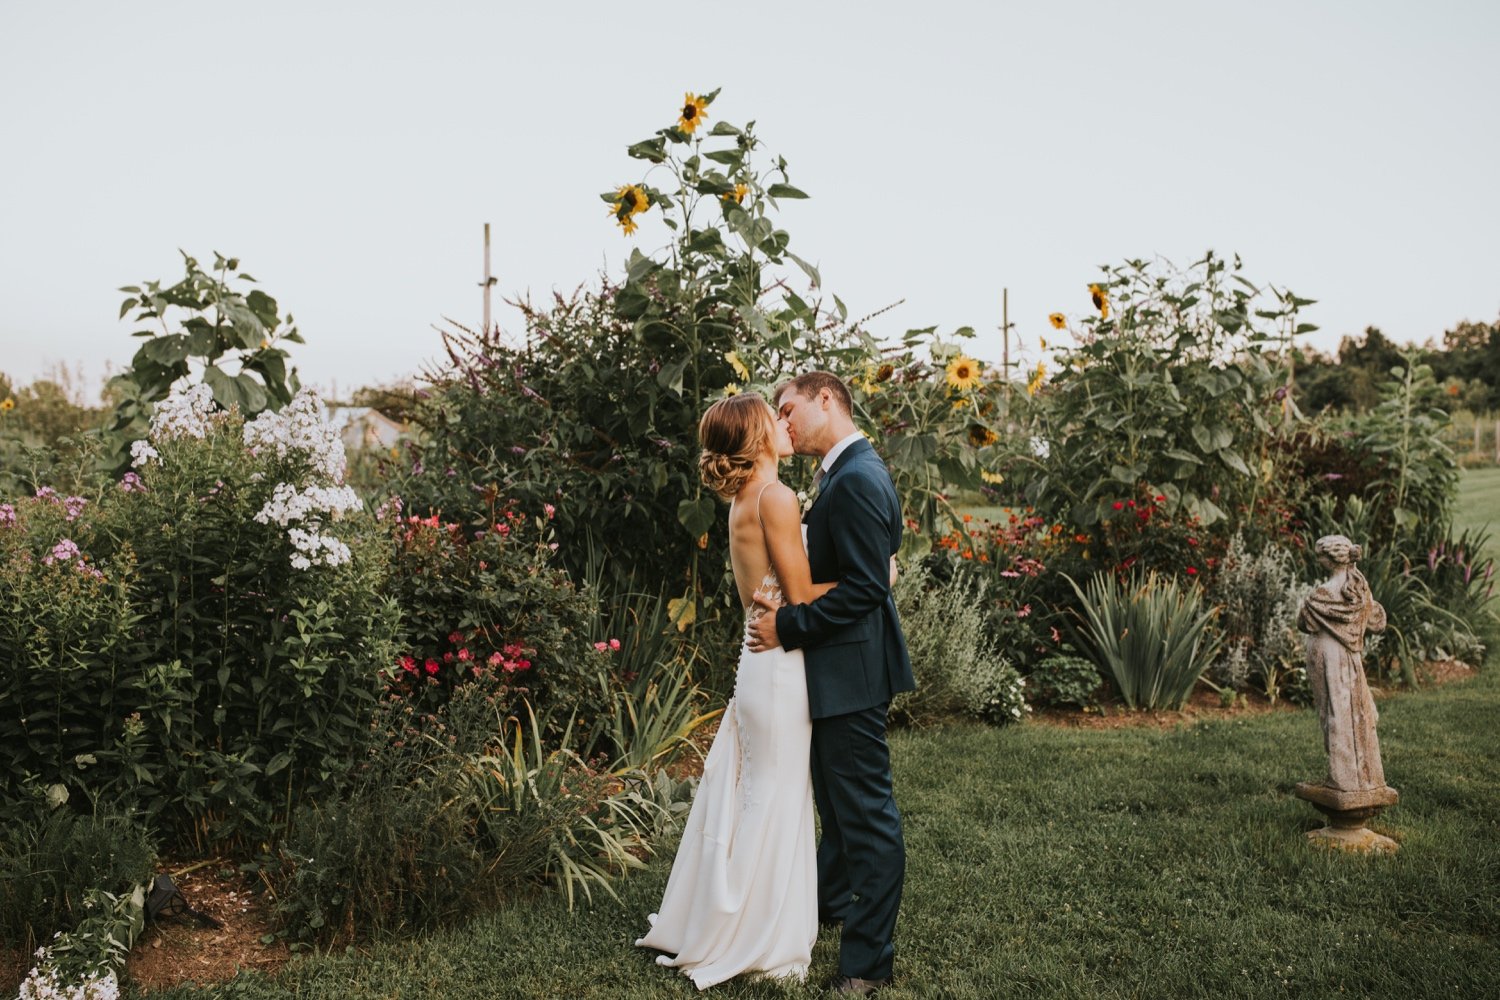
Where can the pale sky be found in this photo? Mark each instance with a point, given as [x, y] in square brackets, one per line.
[349, 154]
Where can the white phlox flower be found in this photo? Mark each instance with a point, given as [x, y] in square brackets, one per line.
[184, 413]
[304, 513]
[141, 453]
[42, 983]
[300, 426]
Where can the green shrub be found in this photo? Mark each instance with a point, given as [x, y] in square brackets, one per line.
[1259, 596]
[1173, 392]
[958, 671]
[1064, 680]
[215, 647]
[489, 603]
[435, 824]
[1148, 634]
[52, 857]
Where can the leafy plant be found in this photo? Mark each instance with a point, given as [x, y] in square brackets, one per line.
[1173, 390]
[1064, 680]
[1148, 634]
[206, 321]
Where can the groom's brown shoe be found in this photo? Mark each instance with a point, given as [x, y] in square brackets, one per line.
[853, 986]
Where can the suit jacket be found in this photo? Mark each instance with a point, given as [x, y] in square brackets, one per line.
[851, 637]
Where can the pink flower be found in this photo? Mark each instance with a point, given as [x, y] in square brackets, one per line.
[63, 551]
[455, 637]
[431, 666]
[551, 510]
[409, 664]
[7, 514]
[614, 644]
[465, 656]
[74, 506]
[601, 646]
[504, 529]
[1024, 611]
[496, 659]
[131, 483]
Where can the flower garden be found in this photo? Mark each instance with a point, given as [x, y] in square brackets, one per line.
[399, 695]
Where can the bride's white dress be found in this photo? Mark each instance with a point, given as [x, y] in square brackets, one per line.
[742, 896]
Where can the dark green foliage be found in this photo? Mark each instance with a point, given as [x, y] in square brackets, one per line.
[51, 857]
[1064, 681]
[201, 677]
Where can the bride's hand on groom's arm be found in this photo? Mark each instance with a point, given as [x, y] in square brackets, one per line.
[760, 634]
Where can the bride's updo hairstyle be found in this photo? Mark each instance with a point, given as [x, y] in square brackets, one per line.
[733, 434]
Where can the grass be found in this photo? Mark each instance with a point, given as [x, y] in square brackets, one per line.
[1479, 504]
[1049, 862]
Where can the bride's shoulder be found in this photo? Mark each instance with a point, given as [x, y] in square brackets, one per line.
[778, 500]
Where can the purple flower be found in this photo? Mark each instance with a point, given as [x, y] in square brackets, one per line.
[46, 493]
[7, 515]
[62, 552]
[132, 483]
[73, 506]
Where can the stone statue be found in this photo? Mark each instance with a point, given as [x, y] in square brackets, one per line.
[1335, 617]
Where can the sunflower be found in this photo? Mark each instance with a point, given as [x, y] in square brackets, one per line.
[1058, 320]
[7, 404]
[963, 372]
[884, 372]
[630, 201]
[1035, 382]
[692, 113]
[991, 477]
[732, 389]
[737, 195]
[739, 366]
[979, 435]
[1101, 300]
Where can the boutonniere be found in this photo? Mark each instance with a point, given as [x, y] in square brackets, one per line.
[806, 498]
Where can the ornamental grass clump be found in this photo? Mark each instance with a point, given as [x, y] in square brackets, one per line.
[1149, 635]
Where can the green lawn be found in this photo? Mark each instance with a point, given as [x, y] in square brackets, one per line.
[1479, 503]
[1049, 862]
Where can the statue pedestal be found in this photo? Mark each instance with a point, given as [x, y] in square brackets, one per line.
[1347, 813]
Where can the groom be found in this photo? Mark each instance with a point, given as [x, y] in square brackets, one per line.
[856, 662]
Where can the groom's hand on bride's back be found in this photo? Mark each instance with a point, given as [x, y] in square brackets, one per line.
[761, 633]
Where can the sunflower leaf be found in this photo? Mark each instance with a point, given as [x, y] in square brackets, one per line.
[720, 128]
[785, 191]
[810, 271]
[649, 149]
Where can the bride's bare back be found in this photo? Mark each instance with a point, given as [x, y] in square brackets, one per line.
[765, 540]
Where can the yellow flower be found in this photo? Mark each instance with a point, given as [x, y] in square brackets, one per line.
[1058, 320]
[979, 436]
[7, 404]
[737, 195]
[630, 201]
[739, 366]
[1044, 342]
[692, 113]
[1035, 382]
[963, 372]
[1101, 300]
[264, 343]
[991, 477]
[732, 389]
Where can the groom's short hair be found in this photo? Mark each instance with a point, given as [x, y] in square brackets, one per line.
[809, 384]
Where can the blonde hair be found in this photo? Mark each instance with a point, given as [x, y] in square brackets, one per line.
[733, 433]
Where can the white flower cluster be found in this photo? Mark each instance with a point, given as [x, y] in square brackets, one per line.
[141, 453]
[184, 413]
[300, 426]
[302, 513]
[42, 983]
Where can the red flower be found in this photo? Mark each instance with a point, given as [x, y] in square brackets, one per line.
[1161, 499]
[614, 644]
[455, 637]
[408, 664]
[431, 666]
[1119, 505]
[465, 655]
[1192, 571]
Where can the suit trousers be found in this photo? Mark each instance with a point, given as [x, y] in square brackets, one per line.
[861, 856]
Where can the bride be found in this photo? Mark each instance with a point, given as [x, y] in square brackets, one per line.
[742, 896]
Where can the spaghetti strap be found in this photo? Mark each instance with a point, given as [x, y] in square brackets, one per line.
[758, 518]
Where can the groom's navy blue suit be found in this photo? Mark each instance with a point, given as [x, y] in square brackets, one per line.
[856, 662]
